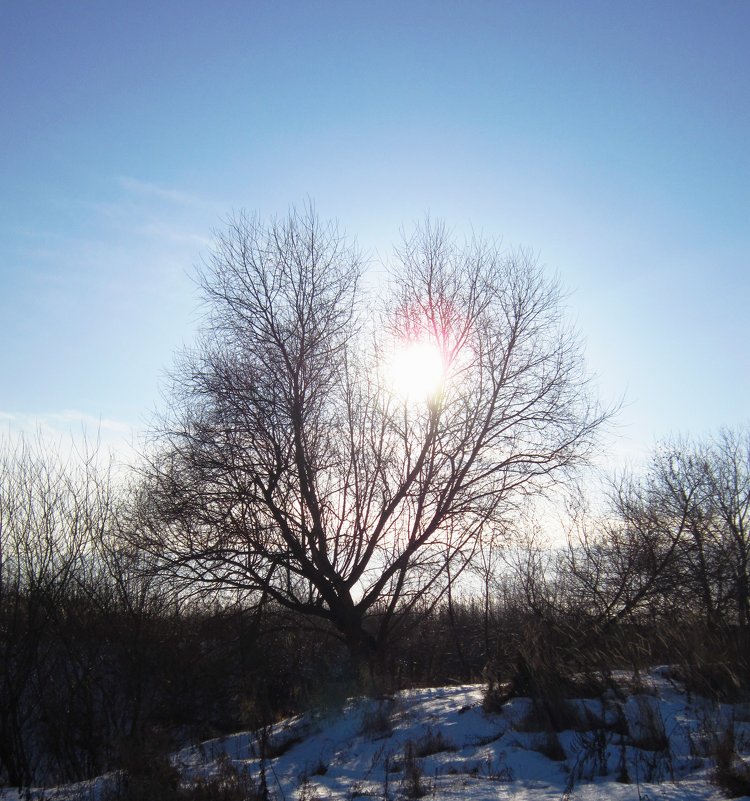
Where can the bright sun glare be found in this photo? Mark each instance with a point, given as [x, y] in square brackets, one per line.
[417, 370]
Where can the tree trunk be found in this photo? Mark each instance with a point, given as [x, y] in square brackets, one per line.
[365, 654]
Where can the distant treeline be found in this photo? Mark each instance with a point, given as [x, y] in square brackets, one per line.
[98, 651]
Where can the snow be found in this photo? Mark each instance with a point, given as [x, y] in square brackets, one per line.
[657, 736]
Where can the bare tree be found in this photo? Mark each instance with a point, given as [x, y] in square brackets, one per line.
[728, 468]
[291, 468]
[681, 531]
[51, 511]
[687, 526]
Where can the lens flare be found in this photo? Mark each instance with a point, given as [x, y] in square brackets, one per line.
[417, 370]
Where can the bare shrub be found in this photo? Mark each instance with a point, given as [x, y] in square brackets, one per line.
[551, 714]
[433, 742]
[623, 774]
[592, 747]
[306, 792]
[548, 744]
[279, 746]
[713, 663]
[731, 773]
[496, 695]
[376, 719]
[413, 772]
[146, 773]
[646, 725]
[229, 784]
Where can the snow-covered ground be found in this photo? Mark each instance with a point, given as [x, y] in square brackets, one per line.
[639, 743]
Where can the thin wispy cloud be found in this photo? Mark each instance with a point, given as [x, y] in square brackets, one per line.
[165, 232]
[65, 421]
[102, 301]
[73, 431]
[153, 190]
[630, 180]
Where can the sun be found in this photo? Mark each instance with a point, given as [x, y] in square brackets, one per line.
[417, 370]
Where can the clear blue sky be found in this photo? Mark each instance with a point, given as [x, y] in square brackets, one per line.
[611, 138]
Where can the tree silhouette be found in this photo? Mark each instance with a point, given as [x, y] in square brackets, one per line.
[291, 468]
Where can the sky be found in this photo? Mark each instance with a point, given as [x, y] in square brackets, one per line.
[610, 139]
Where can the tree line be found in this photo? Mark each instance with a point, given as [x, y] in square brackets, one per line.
[300, 528]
